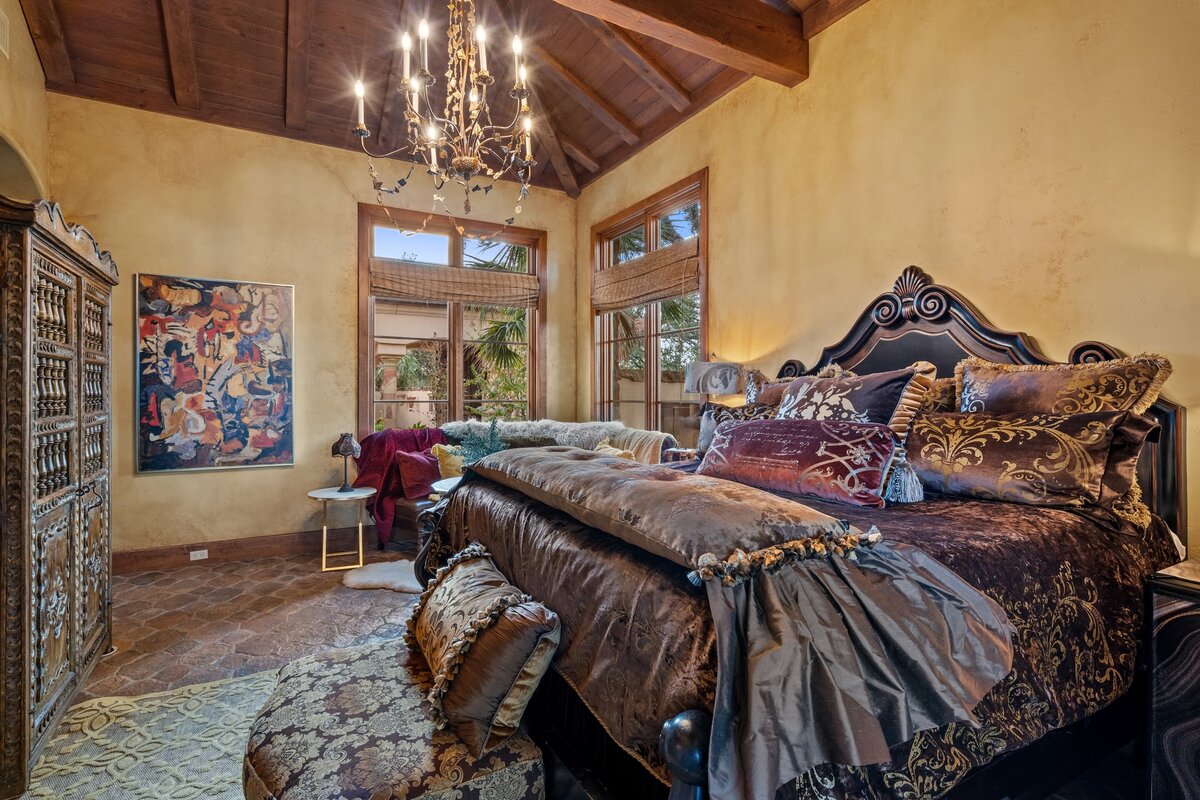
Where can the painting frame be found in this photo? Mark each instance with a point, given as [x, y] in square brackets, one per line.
[142, 463]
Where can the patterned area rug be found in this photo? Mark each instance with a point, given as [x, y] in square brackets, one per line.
[183, 744]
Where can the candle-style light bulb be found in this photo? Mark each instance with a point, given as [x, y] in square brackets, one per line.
[528, 138]
[360, 92]
[423, 34]
[517, 48]
[431, 133]
[415, 87]
[481, 41]
[473, 95]
[406, 45]
[522, 74]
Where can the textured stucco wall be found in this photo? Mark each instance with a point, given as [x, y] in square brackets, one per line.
[23, 164]
[1040, 156]
[179, 197]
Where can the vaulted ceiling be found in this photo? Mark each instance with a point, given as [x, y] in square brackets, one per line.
[609, 76]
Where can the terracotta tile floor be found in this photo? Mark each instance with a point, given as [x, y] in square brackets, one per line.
[210, 621]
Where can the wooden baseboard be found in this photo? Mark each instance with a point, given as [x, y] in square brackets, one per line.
[284, 544]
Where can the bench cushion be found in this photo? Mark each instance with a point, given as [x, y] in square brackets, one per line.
[355, 723]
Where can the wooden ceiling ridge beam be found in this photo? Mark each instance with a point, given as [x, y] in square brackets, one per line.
[583, 94]
[299, 34]
[821, 14]
[181, 52]
[45, 27]
[750, 36]
[657, 76]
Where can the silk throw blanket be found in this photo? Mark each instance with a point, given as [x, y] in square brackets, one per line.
[832, 644]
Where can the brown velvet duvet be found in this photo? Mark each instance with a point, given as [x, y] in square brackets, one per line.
[638, 641]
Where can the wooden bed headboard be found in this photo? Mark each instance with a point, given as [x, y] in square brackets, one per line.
[921, 320]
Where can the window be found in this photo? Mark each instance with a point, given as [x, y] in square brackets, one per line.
[643, 349]
[437, 343]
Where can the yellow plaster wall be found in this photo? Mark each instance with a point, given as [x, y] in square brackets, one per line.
[1040, 156]
[174, 196]
[23, 151]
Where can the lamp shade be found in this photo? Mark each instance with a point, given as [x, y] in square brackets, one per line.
[712, 377]
[346, 446]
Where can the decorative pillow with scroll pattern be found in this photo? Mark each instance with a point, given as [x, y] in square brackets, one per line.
[844, 462]
[761, 390]
[1122, 384]
[941, 398]
[487, 644]
[1029, 458]
[887, 398]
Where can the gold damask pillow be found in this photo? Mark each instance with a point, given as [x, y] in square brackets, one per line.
[885, 398]
[941, 398]
[488, 645]
[1035, 459]
[1123, 384]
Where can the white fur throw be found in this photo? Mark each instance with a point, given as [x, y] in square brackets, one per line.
[569, 434]
[395, 575]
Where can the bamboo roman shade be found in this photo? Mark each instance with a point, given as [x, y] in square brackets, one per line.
[409, 280]
[665, 273]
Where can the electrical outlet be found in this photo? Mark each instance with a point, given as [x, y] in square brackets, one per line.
[198, 555]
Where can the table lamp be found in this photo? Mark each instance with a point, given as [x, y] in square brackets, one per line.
[712, 377]
[346, 447]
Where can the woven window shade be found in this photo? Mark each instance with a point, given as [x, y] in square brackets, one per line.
[669, 272]
[408, 280]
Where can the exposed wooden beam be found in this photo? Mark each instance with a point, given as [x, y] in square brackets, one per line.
[181, 53]
[581, 156]
[46, 30]
[600, 108]
[546, 135]
[637, 59]
[823, 13]
[299, 30]
[749, 36]
[800, 6]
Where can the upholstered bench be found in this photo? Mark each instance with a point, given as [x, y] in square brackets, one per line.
[356, 723]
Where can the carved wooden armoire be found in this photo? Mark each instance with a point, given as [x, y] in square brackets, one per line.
[54, 463]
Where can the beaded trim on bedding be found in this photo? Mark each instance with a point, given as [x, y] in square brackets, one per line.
[741, 566]
[443, 678]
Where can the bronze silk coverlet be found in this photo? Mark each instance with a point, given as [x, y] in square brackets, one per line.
[639, 645]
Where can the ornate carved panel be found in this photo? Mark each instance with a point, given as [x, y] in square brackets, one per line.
[54, 457]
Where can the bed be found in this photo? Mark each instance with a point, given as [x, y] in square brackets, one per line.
[639, 648]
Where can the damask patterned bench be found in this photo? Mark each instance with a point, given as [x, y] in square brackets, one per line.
[355, 723]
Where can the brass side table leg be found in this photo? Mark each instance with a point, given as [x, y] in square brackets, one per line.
[324, 536]
[361, 506]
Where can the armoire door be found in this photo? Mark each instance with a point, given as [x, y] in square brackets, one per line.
[94, 534]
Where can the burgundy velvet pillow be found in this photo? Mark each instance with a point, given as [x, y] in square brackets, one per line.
[845, 462]
[418, 471]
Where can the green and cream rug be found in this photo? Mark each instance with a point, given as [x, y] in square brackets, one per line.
[178, 745]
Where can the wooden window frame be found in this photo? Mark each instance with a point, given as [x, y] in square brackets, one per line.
[370, 215]
[692, 188]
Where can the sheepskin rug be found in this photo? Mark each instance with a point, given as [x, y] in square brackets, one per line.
[569, 434]
[395, 575]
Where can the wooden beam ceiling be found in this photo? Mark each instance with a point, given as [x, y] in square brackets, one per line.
[546, 135]
[582, 157]
[299, 32]
[46, 29]
[749, 36]
[181, 52]
[637, 59]
[583, 94]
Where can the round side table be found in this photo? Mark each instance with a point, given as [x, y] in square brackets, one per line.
[332, 495]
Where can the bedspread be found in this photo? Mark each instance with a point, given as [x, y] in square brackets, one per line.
[639, 644]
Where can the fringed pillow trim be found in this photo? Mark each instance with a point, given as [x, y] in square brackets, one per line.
[459, 647]
[741, 566]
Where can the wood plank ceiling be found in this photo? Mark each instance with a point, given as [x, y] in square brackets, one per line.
[609, 76]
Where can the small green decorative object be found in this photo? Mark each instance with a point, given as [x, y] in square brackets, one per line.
[479, 445]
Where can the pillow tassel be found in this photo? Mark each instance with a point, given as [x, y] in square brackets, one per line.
[904, 485]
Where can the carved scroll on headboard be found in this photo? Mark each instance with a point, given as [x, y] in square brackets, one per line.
[921, 320]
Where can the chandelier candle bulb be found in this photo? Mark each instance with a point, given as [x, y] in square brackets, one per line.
[360, 92]
[517, 52]
[406, 45]
[528, 139]
[423, 33]
[481, 40]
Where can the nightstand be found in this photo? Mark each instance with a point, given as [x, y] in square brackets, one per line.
[1174, 665]
[333, 494]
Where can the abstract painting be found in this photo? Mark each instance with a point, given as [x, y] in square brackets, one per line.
[214, 383]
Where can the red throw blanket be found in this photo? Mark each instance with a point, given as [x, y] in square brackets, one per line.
[377, 468]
